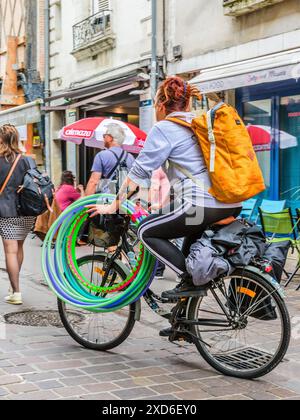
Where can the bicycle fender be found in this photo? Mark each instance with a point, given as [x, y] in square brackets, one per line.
[267, 277]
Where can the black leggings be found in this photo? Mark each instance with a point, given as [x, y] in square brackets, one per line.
[184, 220]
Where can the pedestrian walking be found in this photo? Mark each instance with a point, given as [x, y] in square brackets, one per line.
[108, 163]
[67, 193]
[13, 227]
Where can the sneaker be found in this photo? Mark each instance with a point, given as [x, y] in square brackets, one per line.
[14, 299]
[175, 336]
[185, 288]
[167, 332]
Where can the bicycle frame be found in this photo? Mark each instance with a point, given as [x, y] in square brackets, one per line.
[155, 302]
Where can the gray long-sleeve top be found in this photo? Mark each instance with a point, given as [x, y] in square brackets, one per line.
[169, 143]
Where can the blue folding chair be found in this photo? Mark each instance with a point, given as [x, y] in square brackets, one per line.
[280, 227]
[248, 209]
[271, 206]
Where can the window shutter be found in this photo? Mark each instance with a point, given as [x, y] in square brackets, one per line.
[101, 5]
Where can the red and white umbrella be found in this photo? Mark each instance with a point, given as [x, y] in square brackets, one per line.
[261, 137]
[91, 131]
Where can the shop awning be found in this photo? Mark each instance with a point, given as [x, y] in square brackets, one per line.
[93, 100]
[94, 89]
[22, 115]
[91, 95]
[267, 69]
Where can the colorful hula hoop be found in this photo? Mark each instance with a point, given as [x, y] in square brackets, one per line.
[64, 276]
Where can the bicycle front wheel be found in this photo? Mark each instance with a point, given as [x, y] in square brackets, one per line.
[242, 328]
[98, 331]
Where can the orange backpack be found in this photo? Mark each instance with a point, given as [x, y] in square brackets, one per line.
[228, 153]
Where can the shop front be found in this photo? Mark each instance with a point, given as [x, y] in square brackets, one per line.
[266, 92]
[117, 98]
[276, 108]
[28, 120]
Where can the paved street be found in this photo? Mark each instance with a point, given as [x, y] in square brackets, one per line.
[44, 363]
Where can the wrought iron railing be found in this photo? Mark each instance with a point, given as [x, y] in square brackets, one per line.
[91, 28]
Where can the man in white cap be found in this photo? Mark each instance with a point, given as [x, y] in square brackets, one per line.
[109, 163]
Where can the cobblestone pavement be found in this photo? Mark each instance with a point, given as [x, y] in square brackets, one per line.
[41, 363]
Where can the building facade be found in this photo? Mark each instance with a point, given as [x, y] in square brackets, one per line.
[22, 71]
[100, 59]
[249, 49]
[100, 62]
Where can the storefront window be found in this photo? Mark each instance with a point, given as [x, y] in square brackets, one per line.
[290, 149]
[257, 116]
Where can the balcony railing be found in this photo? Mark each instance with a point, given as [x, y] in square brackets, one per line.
[91, 29]
[242, 7]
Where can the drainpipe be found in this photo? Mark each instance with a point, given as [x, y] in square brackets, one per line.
[164, 35]
[47, 85]
[154, 50]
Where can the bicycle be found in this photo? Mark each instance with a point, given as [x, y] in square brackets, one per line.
[222, 321]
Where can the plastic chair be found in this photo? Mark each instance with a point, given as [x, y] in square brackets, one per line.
[273, 206]
[248, 209]
[279, 227]
[298, 227]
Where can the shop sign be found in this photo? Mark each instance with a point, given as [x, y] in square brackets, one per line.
[250, 79]
[71, 116]
[22, 130]
[72, 162]
[146, 115]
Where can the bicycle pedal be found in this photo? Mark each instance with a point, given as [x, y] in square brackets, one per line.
[170, 300]
[180, 337]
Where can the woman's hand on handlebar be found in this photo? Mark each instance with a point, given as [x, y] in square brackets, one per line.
[95, 209]
[127, 189]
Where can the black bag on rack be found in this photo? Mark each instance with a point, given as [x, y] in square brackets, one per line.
[277, 253]
[218, 252]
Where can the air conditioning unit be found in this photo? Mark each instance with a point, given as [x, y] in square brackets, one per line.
[242, 7]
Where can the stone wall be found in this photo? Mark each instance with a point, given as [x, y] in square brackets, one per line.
[204, 31]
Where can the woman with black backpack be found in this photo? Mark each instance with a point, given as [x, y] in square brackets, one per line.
[13, 228]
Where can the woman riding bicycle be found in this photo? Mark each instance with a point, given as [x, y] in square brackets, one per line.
[175, 148]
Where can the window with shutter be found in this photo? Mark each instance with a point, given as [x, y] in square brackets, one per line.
[100, 6]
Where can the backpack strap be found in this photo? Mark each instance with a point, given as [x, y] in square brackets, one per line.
[120, 159]
[212, 140]
[210, 117]
[188, 174]
[30, 162]
[10, 174]
[179, 121]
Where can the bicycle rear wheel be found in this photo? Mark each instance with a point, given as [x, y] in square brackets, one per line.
[98, 331]
[242, 328]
